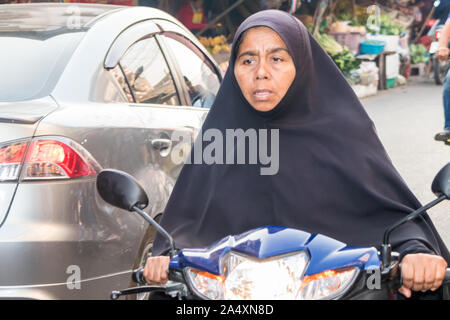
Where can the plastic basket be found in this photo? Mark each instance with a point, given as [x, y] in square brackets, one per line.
[372, 48]
[390, 83]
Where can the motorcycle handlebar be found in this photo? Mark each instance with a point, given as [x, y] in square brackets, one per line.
[138, 276]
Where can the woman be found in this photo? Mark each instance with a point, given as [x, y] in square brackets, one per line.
[334, 175]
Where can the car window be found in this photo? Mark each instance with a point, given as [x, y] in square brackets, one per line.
[123, 84]
[108, 87]
[148, 75]
[201, 80]
[33, 61]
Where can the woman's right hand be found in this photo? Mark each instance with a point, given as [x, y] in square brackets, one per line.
[156, 270]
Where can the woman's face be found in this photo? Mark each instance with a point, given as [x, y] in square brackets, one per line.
[264, 68]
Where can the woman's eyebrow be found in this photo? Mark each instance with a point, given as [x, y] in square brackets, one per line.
[274, 50]
[269, 51]
[248, 53]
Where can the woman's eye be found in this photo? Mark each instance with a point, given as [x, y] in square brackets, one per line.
[277, 59]
[247, 61]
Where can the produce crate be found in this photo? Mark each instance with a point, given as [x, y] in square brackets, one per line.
[350, 39]
[372, 48]
[390, 83]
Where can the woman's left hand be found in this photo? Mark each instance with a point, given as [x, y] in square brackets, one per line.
[422, 272]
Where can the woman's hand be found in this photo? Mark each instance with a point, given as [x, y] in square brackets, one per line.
[422, 272]
[156, 270]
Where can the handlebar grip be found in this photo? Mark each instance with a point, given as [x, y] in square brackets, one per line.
[447, 275]
[138, 276]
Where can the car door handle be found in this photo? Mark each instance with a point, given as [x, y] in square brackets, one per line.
[161, 144]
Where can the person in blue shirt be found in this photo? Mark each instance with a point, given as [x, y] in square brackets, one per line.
[442, 54]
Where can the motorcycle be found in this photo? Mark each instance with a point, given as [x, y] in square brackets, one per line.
[303, 266]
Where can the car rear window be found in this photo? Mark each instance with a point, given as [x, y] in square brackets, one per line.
[31, 62]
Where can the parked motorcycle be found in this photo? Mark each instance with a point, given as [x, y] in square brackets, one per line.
[302, 266]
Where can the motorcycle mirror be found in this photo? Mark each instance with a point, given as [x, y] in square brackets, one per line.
[121, 190]
[441, 184]
[441, 188]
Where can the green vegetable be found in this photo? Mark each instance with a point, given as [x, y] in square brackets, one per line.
[418, 53]
[344, 59]
[373, 42]
[388, 27]
[330, 45]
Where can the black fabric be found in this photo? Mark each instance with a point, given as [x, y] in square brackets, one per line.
[334, 177]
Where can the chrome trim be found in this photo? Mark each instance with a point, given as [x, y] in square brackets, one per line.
[65, 283]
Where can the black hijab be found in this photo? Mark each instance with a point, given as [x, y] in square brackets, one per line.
[334, 176]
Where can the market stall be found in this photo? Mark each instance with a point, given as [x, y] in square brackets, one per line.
[368, 40]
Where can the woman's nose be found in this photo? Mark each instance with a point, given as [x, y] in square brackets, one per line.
[262, 72]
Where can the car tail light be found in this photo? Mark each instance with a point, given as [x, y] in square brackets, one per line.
[438, 35]
[47, 158]
[11, 158]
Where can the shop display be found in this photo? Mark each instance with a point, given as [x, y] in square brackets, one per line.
[215, 45]
[418, 53]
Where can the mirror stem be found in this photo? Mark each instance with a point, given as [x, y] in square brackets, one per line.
[158, 228]
[386, 247]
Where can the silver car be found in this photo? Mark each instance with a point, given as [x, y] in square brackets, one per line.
[86, 87]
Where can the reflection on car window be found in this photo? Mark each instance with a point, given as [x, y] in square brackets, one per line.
[148, 74]
[119, 76]
[202, 82]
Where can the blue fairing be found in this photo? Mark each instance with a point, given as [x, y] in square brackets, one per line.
[325, 253]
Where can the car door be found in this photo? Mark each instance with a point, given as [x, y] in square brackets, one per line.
[127, 124]
[150, 81]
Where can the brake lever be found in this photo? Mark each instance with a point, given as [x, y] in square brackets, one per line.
[174, 290]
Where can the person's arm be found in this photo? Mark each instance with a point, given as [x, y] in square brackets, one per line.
[443, 51]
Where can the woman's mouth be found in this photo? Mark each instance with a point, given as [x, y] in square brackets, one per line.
[262, 95]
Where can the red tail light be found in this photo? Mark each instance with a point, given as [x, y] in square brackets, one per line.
[438, 34]
[46, 158]
[430, 23]
[11, 158]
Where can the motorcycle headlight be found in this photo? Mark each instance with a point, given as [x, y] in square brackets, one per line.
[277, 278]
[327, 285]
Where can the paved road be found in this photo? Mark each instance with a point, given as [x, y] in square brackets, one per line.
[407, 118]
